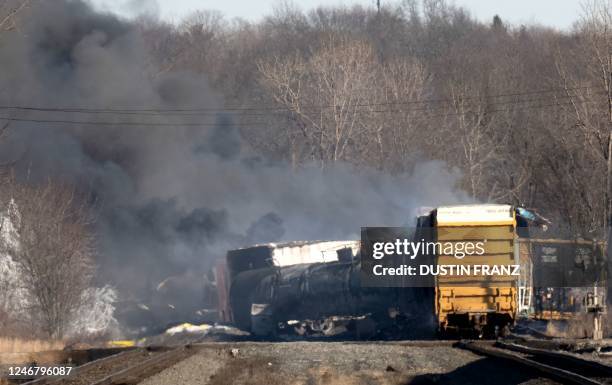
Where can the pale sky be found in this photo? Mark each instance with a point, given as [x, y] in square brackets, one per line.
[556, 13]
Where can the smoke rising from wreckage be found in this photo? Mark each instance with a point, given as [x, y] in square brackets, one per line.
[175, 178]
[169, 200]
[333, 195]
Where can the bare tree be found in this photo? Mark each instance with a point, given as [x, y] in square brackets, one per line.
[9, 11]
[585, 71]
[342, 103]
[321, 94]
[10, 286]
[54, 251]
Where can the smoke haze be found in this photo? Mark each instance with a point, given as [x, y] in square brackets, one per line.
[171, 199]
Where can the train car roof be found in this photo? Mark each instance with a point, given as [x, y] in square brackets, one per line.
[292, 253]
[475, 215]
[280, 245]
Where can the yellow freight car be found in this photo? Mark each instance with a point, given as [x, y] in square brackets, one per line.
[472, 303]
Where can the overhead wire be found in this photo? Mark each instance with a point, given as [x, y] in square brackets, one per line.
[516, 104]
[261, 108]
[253, 124]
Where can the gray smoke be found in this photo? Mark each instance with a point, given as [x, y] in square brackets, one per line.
[171, 199]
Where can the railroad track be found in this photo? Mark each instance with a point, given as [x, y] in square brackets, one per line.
[561, 366]
[128, 367]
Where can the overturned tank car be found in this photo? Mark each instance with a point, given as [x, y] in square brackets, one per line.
[313, 288]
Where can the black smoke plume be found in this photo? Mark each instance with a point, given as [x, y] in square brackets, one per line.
[170, 199]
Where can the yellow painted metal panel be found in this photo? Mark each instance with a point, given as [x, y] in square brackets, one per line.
[505, 258]
[475, 233]
[481, 294]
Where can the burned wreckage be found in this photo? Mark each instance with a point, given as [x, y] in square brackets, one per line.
[313, 287]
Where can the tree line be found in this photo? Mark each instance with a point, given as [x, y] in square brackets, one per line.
[522, 111]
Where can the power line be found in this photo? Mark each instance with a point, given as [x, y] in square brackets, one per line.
[243, 123]
[265, 114]
[102, 123]
[260, 109]
[255, 124]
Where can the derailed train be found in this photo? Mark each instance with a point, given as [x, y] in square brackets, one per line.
[314, 287]
[327, 299]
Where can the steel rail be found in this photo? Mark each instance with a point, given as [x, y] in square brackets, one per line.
[557, 373]
[85, 367]
[598, 366]
[139, 371]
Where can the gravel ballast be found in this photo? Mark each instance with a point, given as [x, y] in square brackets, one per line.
[340, 363]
